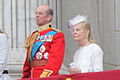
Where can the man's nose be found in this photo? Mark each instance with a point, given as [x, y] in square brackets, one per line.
[37, 15]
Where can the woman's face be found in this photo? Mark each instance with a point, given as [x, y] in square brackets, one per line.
[79, 34]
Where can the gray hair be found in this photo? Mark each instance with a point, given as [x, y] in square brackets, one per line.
[50, 11]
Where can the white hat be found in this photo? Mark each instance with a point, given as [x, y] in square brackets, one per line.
[77, 19]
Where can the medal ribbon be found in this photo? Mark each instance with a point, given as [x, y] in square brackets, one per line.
[39, 43]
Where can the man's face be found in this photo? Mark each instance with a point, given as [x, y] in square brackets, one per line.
[41, 15]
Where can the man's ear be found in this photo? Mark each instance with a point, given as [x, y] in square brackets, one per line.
[49, 17]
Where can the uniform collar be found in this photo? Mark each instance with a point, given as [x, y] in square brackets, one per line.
[44, 27]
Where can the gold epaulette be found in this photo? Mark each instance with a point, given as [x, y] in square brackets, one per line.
[30, 39]
[56, 29]
[27, 42]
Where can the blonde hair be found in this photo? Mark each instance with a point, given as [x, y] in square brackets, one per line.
[87, 27]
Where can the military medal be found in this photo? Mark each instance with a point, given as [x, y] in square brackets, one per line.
[43, 38]
[38, 55]
[49, 38]
[42, 49]
[46, 55]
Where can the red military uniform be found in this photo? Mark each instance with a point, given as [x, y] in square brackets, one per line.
[48, 57]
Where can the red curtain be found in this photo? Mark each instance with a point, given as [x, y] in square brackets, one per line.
[104, 75]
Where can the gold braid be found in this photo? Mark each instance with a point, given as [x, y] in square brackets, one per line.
[29, 43]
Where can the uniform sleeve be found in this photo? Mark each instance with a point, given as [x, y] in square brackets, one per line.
[56, 55]
[97, 61]
[3, 51]
[26, 68]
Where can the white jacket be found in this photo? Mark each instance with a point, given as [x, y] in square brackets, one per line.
[3, 51]
[88, 59]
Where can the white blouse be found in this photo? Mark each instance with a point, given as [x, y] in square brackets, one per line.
[88, 59]
[3, 51]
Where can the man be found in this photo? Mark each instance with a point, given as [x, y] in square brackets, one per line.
[45, 47]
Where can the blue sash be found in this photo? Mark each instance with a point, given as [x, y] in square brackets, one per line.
[39, 43]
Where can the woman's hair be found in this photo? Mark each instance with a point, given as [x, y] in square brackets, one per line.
[90, 35]
[4, 33]
[1, 31]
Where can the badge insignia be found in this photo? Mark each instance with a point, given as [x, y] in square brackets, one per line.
[49, 38]
[38, 55]
[42, 49]
[43, 38]
[46, 55]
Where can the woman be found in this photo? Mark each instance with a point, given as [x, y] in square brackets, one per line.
[3, 56]
[89, 56]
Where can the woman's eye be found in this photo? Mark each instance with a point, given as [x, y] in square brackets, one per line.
[77, 29]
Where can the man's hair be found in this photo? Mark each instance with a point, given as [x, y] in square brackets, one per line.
[50, 11]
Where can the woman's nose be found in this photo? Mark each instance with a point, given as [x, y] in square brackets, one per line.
[74, 32]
